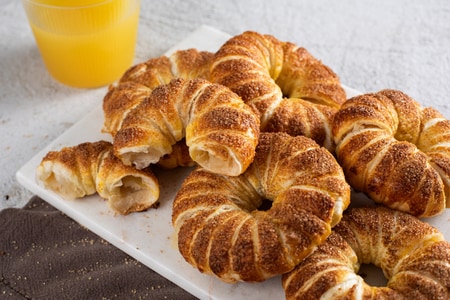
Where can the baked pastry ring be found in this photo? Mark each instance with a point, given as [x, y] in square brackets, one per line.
[87, 168]
[292, 91]
[221, 131]
[222, 229]
[413, 255]
[395, 151]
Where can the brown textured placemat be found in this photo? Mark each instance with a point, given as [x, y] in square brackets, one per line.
[46, 255]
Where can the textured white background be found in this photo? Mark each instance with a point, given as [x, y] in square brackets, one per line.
[371, 45]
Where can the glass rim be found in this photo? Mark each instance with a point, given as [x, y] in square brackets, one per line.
[68, 7]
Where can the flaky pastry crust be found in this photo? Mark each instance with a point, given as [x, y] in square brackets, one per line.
[221, 229]
[138, 82]
[396, 151]
[292, 91]
[87, 168]
[221, 131]
[414, 257]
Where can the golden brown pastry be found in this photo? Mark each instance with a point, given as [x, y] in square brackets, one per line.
[187, 64]
[221, 131]
[395, 151]
[292, 91]
[138, 82]
[413, 255]
[119, 101]
[221, 225]
[87, 168]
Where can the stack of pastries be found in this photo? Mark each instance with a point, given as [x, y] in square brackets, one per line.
[277, 148]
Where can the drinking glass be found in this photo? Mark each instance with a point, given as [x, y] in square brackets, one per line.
[85, 43]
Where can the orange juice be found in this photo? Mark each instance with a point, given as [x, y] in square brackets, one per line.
[87, 46]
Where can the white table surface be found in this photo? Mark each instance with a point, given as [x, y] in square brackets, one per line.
[371, 45]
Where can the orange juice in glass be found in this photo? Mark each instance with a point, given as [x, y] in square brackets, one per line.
[85, 43]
